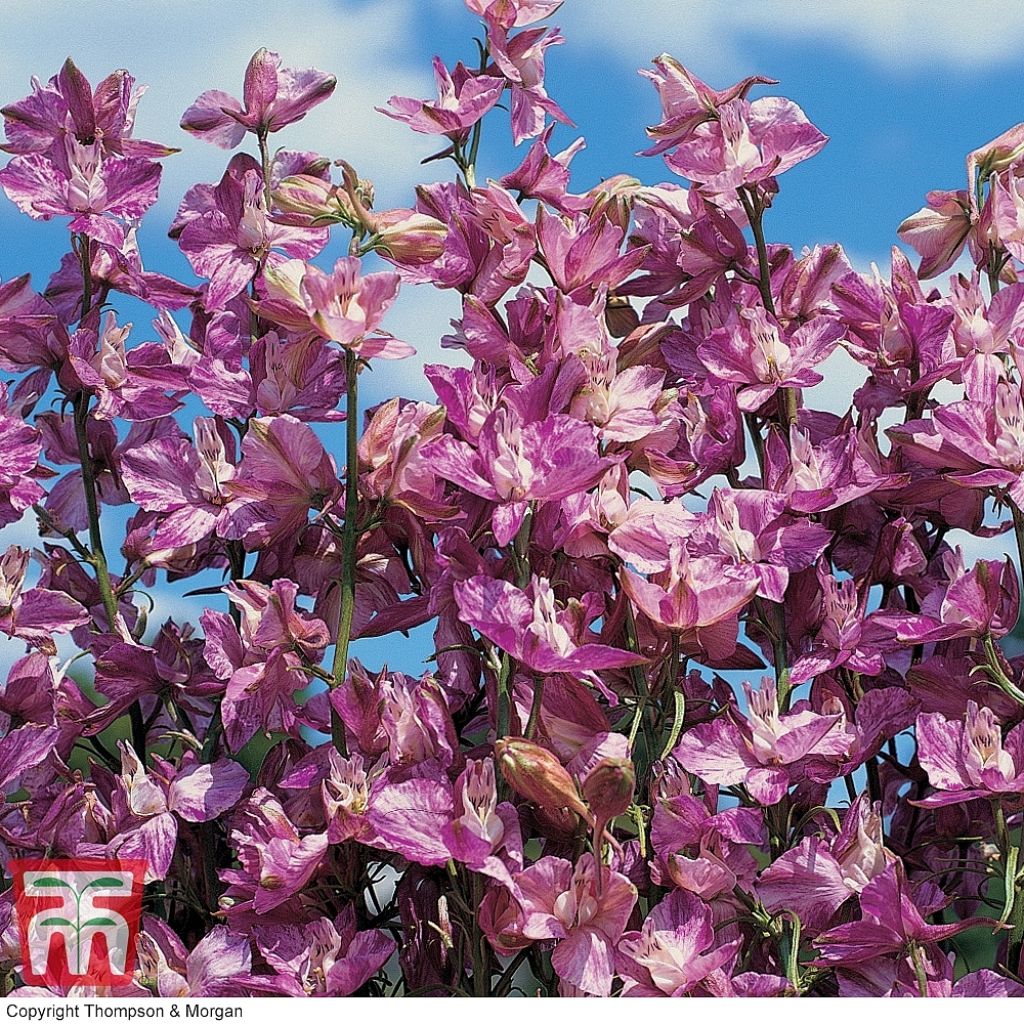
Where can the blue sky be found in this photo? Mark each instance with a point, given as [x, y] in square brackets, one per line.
[904, 88]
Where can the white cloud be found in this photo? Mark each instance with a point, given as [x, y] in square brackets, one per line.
[716, 34]
[181, 49]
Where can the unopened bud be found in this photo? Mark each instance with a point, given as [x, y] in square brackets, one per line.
[408, 237]
[538, 776]
[304, 200]
[608, 789]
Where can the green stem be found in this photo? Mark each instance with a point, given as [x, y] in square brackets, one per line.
[97, 557]
[521, 557]
[261, 138]
[922, 978]
[535, 706]
[350, 535]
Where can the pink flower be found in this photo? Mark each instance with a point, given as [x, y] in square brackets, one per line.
[344, 306]
[79, 181]
[520, 58]
[938, 231]
[764, 750]
[517, 460]
[686, 102]
[674, 952]
[218, 965]
[968, 760]
[19, 468]
[68, 106]
[284, 473]
[746, 144]
[33, 615]
[273, 97]
[227, 233]
[275, 860]
[324, 957]
[463, 99]
[565, 903]
[757, 354]
[534, 629]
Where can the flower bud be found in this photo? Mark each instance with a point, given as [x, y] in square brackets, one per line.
[305, 200]
[608, 789]
[408, 237]
[538, 776]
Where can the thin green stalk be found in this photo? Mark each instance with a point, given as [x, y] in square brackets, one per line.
[261, 138]
[535, 706]
[350, 537]
[97, 557]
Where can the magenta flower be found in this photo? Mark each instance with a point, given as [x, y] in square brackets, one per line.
[517, 460]
[324, 957]
[536, 630]
[19, 469]
[68, 106]
[513, 13]
[462, 99]
[284, 473]
[977, 601]
[752, 528]
[687, 102]
[746, 144]
[273, 97]
[275, 860]
[584, 254]
[565, 903]
[766, 750]
[484, 826]
[186, 483]
[760, 357]
[938, 231]
[261, 661]
[36, 614]
[227, 234]
[674, 952]
[970, 760]
[893, 920]
[520, 58]
[79, 181]
[698, 596]
[344, 306]
[218, 965]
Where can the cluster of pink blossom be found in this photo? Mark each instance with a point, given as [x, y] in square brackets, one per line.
[716, 705]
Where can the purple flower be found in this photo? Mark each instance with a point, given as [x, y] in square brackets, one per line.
[674, 952]
[34, 615]
[765, 749]
[463, 99]
[273, 97]
[968, 760]
[68, 106]
[757, 354]
[586, 919]
[227, 233]
[517, 459]
[535, 630]
[746, 143]
[324, 957]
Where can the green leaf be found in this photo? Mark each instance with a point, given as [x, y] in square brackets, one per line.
[61, 922]
[99, 922]
[105, 883]
[677, 724]
[1009, 880]
[49, 882]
